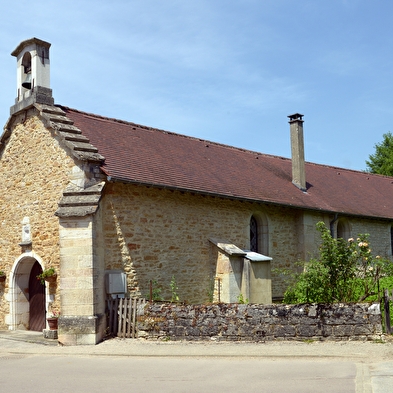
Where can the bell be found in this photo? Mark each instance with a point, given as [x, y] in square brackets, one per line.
[27, 83]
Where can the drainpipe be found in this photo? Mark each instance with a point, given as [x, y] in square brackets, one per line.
[332, 225]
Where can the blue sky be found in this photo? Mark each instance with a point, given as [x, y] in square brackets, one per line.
[222, 70]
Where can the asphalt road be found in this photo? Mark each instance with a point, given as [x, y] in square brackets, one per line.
[158, 374]
[137, 366]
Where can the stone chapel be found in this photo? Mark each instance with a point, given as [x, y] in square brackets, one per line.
[112, 205]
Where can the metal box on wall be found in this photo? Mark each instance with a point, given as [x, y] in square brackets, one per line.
[115, 283]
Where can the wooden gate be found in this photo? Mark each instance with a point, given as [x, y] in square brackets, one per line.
[122, 316]
[36, 300]
[386, 303]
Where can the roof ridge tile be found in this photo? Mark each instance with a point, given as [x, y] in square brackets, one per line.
[109, 119]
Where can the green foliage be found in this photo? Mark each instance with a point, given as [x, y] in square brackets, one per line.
[309, 341]
[155, 292]
[2, 273]
[46, 273]
[381, 161]
[174, 288]
[241, 300]
[210, 290]
[54, 314]
[385, 282]
[344, 271]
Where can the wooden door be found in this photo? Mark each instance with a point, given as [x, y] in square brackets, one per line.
[36, 300]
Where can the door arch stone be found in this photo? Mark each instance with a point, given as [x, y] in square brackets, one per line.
[18, 293]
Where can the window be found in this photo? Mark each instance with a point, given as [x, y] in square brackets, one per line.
[26, 62]
[343, 229]
[259, 234]
[253, 235]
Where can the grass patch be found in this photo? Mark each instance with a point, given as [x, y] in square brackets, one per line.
[379, 341]
[309, 341]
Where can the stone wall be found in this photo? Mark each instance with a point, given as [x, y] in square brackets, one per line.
[153, 234]
[253, 322]
[379, 232]
[34, 171]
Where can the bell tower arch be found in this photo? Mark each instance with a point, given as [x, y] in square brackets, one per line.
[33, 74]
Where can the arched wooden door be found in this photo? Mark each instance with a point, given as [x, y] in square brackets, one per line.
[36, 300]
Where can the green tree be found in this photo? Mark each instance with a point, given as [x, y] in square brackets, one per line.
[381, 161]
[344, 271]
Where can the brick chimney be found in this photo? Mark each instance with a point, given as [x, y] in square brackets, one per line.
[297, 148]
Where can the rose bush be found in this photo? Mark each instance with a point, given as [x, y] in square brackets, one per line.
[344, 271]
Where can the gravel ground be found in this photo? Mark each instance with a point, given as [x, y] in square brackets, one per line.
[368, 352]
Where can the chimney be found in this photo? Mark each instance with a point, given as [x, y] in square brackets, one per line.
[297, 148]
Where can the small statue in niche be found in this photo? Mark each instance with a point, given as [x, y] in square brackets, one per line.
[26, 233]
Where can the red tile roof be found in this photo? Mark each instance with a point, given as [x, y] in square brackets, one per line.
[139, 154]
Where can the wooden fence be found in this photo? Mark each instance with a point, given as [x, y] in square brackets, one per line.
[122, 316]
[386, 303]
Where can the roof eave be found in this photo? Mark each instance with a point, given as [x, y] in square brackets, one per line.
[237, 198]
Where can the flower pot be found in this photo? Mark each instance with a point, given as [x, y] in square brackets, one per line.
[2, 278]
[51, 278]
[52, 322]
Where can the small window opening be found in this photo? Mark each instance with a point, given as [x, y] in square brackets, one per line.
[343, 231]
[254, 235]
[26, 62]
[259, 234]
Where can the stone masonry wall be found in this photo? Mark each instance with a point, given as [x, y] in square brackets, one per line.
[33, 174]
[379, 232]
[254, 322]
[153, 234]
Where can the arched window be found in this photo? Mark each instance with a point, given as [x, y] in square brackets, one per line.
[27, 77]
[343, 229]
[259, 234]
[26, 62]
[254, 235]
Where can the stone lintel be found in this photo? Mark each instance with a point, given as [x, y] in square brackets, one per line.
[88, 156]
[78, 201]
[76, 211]
[72, 189]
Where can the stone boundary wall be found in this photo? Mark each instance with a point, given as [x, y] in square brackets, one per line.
[258, 322]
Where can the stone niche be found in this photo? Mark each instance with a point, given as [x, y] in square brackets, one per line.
[240, 274]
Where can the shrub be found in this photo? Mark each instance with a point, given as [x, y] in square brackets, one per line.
[344, 271]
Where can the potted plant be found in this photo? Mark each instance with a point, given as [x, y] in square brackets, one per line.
[52, 319]
[49, 275]
[2, 276]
